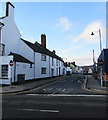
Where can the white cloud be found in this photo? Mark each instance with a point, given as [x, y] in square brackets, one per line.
[82, 60]
[65, 53]
[86, 34]
[64, 23]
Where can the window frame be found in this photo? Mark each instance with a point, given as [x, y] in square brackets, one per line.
[52, 61]
[43, 57]
[4, 71]
[43, 70]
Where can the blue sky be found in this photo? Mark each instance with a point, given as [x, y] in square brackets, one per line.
[67, 26]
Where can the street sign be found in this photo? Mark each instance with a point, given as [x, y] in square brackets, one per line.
[100, 62]
[11, 63]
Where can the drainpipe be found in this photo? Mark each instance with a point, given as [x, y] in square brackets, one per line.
[14, 71]
[49, 66]
[34, 64]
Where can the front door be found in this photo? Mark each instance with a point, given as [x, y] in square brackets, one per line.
[52, 72]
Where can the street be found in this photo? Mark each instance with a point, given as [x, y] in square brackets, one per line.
[63, 99]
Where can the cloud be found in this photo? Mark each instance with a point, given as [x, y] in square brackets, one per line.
[86, 34]
[64, 23]
[66, 52]
[82, 60]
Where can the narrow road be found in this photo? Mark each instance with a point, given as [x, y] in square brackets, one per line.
[62, 99]
[71, 84]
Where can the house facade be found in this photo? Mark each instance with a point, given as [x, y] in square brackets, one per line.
[102, 67]
[29, 60]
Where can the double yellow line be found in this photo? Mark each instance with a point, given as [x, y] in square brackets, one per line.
[25, 91]
[91, 89]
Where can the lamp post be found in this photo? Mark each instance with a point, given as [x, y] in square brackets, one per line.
[99, 39]
[100, 52]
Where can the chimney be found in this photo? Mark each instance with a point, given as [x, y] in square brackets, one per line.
[43, 40]
[10, 10]
[54, 51]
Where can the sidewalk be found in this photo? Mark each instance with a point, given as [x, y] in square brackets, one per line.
[27, 85]
[94, 84]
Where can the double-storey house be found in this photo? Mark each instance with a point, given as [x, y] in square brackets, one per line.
[21, 60]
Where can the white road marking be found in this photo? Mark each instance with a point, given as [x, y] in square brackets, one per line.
[47, 89]
[36, 110]
[63, 89]
[59, 88]
[63, 95]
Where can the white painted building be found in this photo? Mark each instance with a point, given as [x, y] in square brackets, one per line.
[30, 60]
[68, 69]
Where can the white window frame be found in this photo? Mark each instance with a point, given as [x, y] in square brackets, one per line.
[56, 62]
[4, 71]
[43, 57]
[43, 70]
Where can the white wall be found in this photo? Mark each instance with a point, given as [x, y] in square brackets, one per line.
[10, 36]
[26, 51]
[39, 64]
[24, 68]
[10, 33]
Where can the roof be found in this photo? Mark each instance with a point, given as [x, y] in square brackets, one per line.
[20, 58]
[40, 49]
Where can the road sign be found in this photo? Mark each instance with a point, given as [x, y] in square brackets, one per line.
[100, 62]
[11, 63]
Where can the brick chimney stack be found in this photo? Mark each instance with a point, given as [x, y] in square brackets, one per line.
[43, 40]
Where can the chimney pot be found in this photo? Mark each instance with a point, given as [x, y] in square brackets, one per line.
[54, 51]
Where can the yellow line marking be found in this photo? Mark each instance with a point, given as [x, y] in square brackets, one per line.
[15, 93]
[92, 90]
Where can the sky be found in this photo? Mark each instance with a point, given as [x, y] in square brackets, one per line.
[67, 25]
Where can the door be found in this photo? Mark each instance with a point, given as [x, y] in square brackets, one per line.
[52, 72]
[21, 78]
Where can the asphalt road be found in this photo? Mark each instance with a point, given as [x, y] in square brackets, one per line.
[62, 99]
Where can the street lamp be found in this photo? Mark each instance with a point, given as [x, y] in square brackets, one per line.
[99, 38]
[100, 51]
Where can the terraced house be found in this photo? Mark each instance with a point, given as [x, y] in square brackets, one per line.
[22, 60]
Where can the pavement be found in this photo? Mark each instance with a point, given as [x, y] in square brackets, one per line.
[90, 84]
[94, 85]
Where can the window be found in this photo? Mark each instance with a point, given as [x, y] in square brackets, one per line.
[59, 63]
[57, 71]
[43, 70]
[4, 71]
[56, 62]
[2, 49]
[43, 57]
[52, 61]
